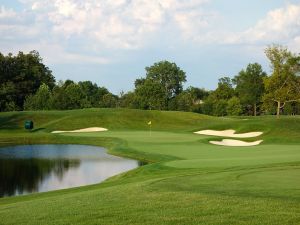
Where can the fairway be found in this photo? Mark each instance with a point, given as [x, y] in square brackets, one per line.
[187, 180]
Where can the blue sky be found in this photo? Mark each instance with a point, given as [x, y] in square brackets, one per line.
[111, 42]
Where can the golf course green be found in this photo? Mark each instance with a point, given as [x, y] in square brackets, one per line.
[187, 180]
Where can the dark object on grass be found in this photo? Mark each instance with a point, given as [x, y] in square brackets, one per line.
[28, 125]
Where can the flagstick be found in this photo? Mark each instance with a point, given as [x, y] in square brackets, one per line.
[149, 129]
[151, 122]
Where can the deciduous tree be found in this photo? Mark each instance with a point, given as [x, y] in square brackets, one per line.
[234, 107]
[250, 85]
[169, 76]
[283, 86]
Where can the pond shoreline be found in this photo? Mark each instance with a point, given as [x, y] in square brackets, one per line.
[50, 167]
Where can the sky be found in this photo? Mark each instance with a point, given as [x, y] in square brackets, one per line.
[110, 42]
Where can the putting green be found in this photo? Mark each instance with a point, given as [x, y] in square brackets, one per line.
[196, 152]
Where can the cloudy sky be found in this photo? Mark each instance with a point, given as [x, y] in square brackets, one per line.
[110, 42]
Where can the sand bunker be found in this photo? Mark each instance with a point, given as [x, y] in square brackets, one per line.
[90, 129]
[230, 142]
[228, 133]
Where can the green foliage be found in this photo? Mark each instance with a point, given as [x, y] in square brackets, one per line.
[150, 95]
[11, 106]
[168, 75]
[42, 100]
[269, 107]
[109, 101]
[283, 86]
[184, 101]
[20, 76]
[214, 106]
[26, 83]
[216, 103]
[73, 96]
[234, 107]
[85, 94]
[7, 96]
[208, 106]
[92, 95]
[128, 100]
[60, 99]
[250, 86]
[189, 100]
[292, 108]
[220, 108]
[161, 88]
[225, 89]
[162, 84]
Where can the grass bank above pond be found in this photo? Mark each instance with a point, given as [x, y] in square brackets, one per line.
[188, 182]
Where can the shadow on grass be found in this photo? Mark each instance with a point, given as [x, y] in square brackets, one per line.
[9, 122]
[37, 129]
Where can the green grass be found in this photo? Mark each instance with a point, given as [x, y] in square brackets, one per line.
[189, 181]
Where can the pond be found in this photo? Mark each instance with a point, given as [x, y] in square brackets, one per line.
[27, 169]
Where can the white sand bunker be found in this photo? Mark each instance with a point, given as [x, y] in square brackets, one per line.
[230, 142]
[228, 133]
[90, 129]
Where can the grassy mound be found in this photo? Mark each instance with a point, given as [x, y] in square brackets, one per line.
[188, 182]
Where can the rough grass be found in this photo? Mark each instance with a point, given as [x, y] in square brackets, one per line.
[188, 182]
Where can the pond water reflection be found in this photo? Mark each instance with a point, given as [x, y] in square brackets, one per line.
[37, 168]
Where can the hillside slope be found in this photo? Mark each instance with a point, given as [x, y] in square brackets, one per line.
[188, 182]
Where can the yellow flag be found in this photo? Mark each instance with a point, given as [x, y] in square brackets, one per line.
[149, 123]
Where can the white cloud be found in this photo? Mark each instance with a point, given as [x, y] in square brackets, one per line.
[65, 7]
[6, 13]
[54, 53]
[294, 44]
[279, 26]
[95, 27]
[196, 25]
[119, 24]
[14, 26]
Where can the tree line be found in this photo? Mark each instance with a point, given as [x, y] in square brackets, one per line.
[27, 84]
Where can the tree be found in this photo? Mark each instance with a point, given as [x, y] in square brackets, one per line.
[109, 101]
[250, 85]
[169, 76]
[7, 96]
[225, 89]
[129, 100]
[292, 108]
[68, 95]
[60, 99]
[234, 107]
[42, 99]
[90, 94]
[183, 101]
[283, 86]
[74, 96]
[215, 106]
[150, 95]
[216, 103]
[220, 108]
[26, 72]
[208, 105]
[188, 100]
